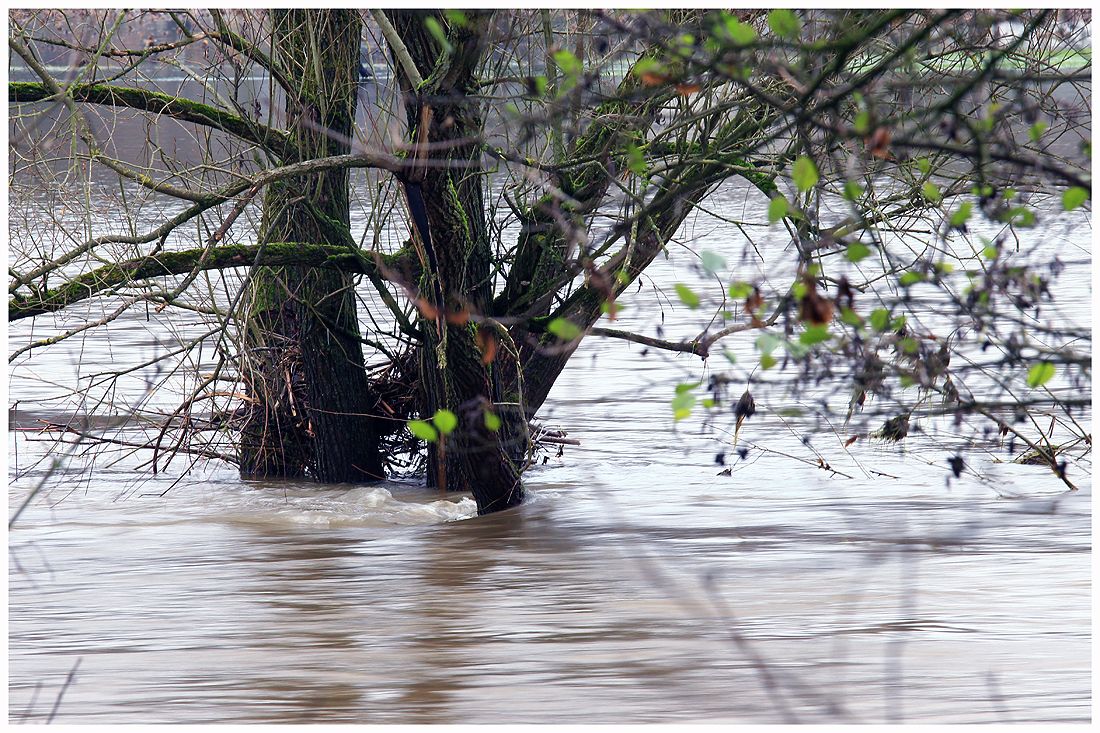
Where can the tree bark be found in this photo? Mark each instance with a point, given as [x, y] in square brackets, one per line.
[302, 355]
[446, 200]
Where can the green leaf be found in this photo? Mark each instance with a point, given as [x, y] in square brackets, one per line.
[862, 122]
[712, 261]
[1021, 216]
[1074, 197]
[924, 166]
[457, 17]
[423, 430]
[648, 65]
[815, 335]
[767, 361]
[708, 402]
[1036, 131]
[785, 23]
[567, 62]
[732, 357]
[962, 214]
[682, 404]
[777, 209]
[766, 343]
[1040, 374]
[911, 278]
[492, 422]
[797, 349]
[563, 329]
[738, 32]
[850, 317]
[930, 191]
[852, 190]
[536, 87]
[740, 290]
[686, 387]
[805, 174]
[445, 420]
[436, 30]
[880, 319]
[909, 345]
[857, 251]
[635, 160]
[687, 295]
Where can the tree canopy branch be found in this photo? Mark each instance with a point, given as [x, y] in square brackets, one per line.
[178, 263]
[177, 108]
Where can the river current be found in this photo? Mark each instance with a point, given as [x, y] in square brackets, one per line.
[655, 575]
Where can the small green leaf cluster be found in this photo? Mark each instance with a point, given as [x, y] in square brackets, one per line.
[443, 424]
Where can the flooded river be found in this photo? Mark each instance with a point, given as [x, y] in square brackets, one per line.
[639, 583]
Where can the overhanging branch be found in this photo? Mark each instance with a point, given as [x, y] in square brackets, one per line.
[162, 104]
[164, 264]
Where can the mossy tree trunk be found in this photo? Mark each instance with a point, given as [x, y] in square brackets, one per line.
[302, 354]
[445, 127]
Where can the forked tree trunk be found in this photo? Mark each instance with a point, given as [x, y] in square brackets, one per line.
[446, 123]
[302, 357]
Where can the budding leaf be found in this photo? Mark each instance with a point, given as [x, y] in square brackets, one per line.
[740, 33]
[815, 335]
[423, 430]
[682, 404]
[1040, 374]
[563, 329]
[777, 209]
[687, 295]
[712, 261]
[785, 23]
[911, 278]
[962, 214]
[1036, 131]
[567, 62]
[1074, 197]
[880, 319]
[445, 420]
[805, 174]
[436, 30]
[492, 422]
[857, 251]
[740, 290]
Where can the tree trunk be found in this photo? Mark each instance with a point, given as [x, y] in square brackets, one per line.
[447, 203]
[302, 354]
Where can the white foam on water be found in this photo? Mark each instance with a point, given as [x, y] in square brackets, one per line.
[369, 506]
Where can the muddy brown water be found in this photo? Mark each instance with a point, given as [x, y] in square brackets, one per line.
[637, 584]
